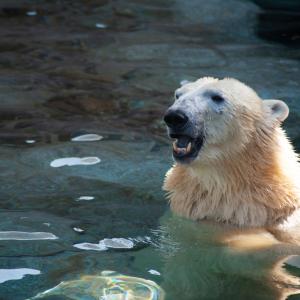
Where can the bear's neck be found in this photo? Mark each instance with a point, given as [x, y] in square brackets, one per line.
[257, 187]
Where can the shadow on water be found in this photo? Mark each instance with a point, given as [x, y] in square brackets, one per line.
[279, 21]
[282, 27]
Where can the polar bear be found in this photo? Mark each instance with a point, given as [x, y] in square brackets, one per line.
[236, 172]
[233, 161]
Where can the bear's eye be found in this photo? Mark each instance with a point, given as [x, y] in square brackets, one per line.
[217, 98]
[177, 94]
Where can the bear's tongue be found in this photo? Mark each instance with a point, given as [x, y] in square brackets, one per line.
[182, 145]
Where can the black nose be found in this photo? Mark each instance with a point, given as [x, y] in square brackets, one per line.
[175, 118]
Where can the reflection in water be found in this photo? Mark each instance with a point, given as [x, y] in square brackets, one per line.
[108, 286]
[24, 236]
[74, 161]
[15, 274]
[199, 266]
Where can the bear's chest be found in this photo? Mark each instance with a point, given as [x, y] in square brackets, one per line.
[218, 206]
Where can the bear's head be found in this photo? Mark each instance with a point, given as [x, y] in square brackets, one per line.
[214, 119]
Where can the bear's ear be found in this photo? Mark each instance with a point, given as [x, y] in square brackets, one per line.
[277, 109]
[184, 82]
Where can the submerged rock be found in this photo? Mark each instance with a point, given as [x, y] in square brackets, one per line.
[108, 286]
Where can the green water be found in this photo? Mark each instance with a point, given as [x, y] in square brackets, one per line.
[109, 68]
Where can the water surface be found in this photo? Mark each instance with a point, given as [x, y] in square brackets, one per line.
[83, 87]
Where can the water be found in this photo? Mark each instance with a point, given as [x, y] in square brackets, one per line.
[106, 71]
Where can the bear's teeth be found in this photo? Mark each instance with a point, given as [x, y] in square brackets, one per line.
[179, 150]
[175, 146]
[189, 147]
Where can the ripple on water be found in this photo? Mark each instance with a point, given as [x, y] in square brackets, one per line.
[74, 161]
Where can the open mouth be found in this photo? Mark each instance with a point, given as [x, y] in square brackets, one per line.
[186, 148]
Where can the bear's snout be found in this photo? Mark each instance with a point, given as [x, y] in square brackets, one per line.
[175, 119]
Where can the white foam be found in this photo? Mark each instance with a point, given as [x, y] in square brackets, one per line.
[74, 161]
[118, 243]
[90, 246]
[26, 236]
[15, 274]
[154, 272]
[105, 244]
[30, 141]
[77, 229]
[87, 138]
[85, 198]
